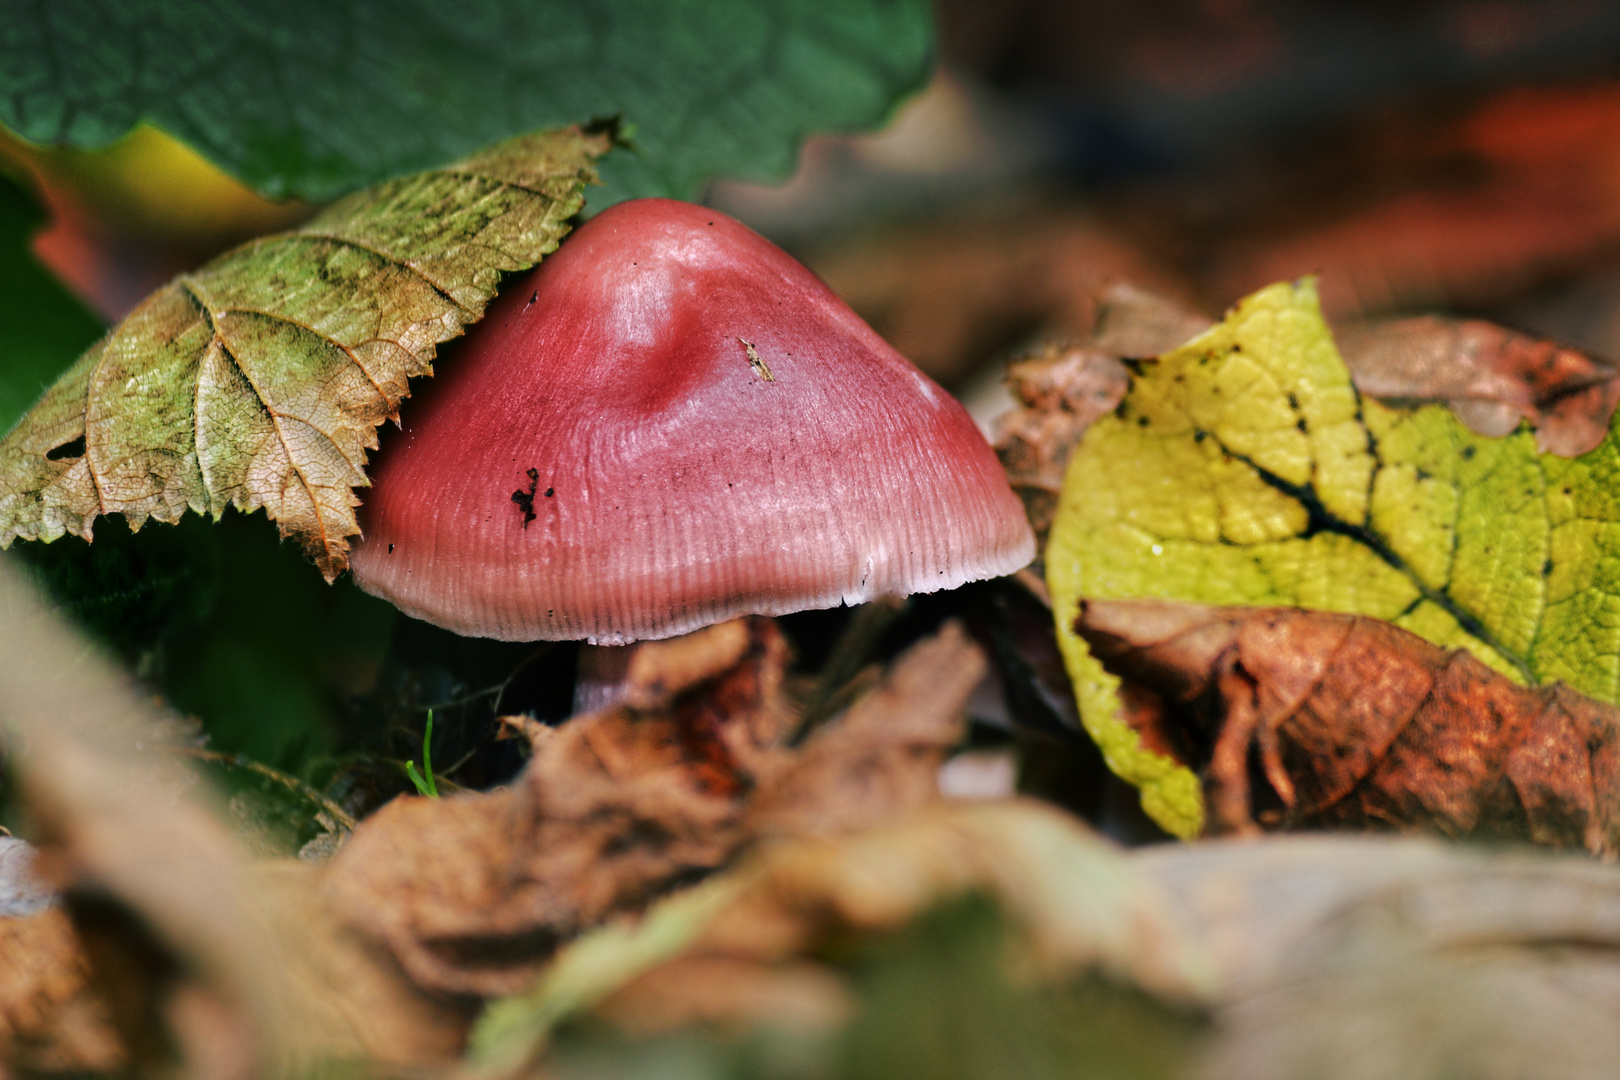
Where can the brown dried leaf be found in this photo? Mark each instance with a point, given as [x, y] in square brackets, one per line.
[1060, 390]
[473, 894]
[51, 1019]
[883, 756]
[1062, 387]
[1138, 323]
[1491, 377]
[349, 999]
[1311, 719]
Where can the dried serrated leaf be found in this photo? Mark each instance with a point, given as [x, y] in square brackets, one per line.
[259, 380]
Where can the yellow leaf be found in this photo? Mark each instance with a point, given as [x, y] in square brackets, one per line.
[1244, 468]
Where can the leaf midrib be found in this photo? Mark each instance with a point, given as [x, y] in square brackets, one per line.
[1320, 519]
[275, 417]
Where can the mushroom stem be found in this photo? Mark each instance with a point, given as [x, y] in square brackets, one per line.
[601, 678]
[645, 674]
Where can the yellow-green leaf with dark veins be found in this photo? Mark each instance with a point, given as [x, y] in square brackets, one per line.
[1244, 468]
[259, 380]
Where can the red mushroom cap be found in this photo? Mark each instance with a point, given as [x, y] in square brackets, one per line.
[670, 423]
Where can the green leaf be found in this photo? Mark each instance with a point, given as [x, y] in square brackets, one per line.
[42, 326]
[1244, 468]
[259, 380]
[316, 97]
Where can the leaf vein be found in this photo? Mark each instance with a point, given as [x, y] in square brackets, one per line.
[1323, 520]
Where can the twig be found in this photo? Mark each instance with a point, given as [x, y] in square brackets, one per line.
[866, 627]
[1034, 584]
[338, 815]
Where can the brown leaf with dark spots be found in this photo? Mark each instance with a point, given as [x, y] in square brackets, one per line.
[1491, 377]
[473, 894]
[1060, 390]
[1062, 387]
[1302, 719]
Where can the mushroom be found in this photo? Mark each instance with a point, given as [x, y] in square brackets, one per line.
[670, 423]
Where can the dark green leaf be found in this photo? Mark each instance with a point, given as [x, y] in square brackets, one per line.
[315, 97]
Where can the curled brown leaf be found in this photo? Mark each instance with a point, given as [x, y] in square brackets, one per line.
[473, 894]
[1301, 719]
[1492, 377]
[1060, 390]
[1061, 387]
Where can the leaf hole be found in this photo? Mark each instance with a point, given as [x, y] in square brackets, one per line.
[67, 450]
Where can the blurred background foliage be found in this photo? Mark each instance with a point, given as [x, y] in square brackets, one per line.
[934, 1001]
[1459, 155]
